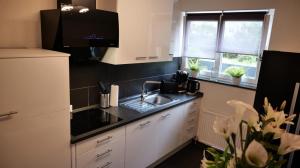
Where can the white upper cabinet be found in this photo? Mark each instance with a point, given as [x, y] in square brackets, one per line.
[145, 32]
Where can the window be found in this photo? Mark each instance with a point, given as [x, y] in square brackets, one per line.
[223, 40]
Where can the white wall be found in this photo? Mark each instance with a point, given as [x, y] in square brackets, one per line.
[216, 95]
[20, 21]
[213, 104]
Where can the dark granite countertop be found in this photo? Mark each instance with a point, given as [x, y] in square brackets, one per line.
[129, 116]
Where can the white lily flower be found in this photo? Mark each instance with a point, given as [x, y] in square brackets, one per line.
[279, 119]
[239, 152]
[279, 116]
[204, 161]
[289, 143]
[266, 104]
[274, 129]
[224, 127]
[231, 163]
[256, 155]
[246, 112]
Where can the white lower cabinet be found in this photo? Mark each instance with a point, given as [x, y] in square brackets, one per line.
[141, 143]
[152, 138]
[103, 151]
[190, 120]
[168, 127]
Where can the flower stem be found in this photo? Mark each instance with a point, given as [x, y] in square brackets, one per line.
[241, 136]
[234, 145]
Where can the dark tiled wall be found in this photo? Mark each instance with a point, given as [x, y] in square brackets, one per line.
[129, 77]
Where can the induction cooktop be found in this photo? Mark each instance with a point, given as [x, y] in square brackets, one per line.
[92, 119]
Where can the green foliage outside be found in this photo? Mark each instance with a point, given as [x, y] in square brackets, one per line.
[249, 60]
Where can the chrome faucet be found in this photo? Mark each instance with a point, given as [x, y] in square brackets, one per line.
[143, 95]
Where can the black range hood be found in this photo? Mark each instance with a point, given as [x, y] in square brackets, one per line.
[78, 24]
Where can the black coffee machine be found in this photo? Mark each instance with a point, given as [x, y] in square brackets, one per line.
[193, 87]
[181, 80]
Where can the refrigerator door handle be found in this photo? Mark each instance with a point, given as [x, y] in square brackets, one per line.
[292, 109]
[293, 104]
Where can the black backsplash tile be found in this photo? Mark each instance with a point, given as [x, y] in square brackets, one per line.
[89, 74]
[94, 95]
[129, 77]
[79, 98]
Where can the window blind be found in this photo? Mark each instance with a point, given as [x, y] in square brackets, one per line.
[241, 33]
[201, 35]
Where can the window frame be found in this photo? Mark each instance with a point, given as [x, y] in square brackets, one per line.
[215, 73]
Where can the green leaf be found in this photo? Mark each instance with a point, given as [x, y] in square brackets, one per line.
[269, 136]
[193, 64]
[235, 72]
[268, 145]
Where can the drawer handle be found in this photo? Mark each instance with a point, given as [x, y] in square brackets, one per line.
[104, 140]
[103, 154]
[140, 58]
[153, 57]
[144, 124]
[8, 114]
[106, 165]
[164, 116]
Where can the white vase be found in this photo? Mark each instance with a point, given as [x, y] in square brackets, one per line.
[236, 81]
[194, 74]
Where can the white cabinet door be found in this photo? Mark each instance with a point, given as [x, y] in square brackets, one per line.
[140, 143]
[144, 32]
[39, 134]
[159, 30]
[189, 128]
[168, 127]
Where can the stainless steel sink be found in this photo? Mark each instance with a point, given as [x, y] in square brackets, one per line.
[157, 99]
[149, 103]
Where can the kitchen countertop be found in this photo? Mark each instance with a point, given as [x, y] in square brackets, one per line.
[129, 116]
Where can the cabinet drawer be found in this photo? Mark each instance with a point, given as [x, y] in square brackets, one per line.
[101, 141]
[108, 164]
[93, 158]
[110, 155]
